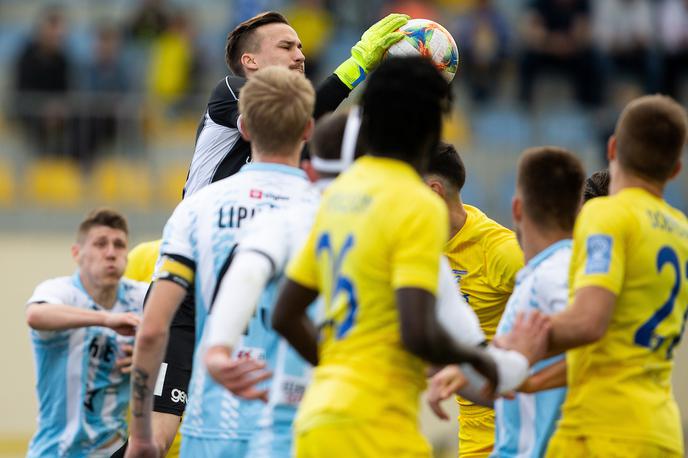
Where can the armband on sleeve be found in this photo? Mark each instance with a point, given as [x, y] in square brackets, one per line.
[176, 269]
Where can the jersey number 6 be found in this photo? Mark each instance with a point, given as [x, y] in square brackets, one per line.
[341, 283]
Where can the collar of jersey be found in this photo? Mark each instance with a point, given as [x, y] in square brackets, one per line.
[549, 251]
[76, 280]
[272, 167]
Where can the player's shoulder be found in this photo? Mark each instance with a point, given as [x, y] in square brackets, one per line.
[57, 283]
[227, 89]
[616, 212]
[133, 291]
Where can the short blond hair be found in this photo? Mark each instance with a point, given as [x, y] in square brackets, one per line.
[276, 105]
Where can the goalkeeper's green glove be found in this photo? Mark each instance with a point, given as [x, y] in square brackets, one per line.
[367, 53]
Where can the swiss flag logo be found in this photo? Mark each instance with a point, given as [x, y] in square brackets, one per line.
[255, 194]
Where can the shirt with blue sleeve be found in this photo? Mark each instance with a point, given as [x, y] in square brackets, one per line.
[525, 424]
[82, 397]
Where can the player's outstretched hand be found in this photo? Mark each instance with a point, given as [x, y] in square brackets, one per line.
[137, 448]
[529, 336]
[369, 51]
[122, 323]
[442, 386]
[238, 375]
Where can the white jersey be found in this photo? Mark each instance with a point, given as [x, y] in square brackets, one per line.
[525, 424]
[202, 233]
[82, 397]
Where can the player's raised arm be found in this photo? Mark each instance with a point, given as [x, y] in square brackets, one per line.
[57, 317]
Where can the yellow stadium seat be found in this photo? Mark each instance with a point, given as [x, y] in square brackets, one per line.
[119, 182]
[7, 184]
[54, 183]
[171, 183]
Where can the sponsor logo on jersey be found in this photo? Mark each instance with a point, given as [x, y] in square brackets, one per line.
[599, 251]
[178, 396]
[255, 194]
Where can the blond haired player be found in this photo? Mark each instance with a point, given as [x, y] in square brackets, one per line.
[629, 298]
[484, 257]
[276, 107]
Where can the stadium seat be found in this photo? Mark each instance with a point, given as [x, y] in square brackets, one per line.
[7, 184]
[54, 183]
[119, 182]
[501, 130]
[171, 183]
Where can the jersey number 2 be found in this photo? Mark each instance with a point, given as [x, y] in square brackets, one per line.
[645, 335]
[341, 283]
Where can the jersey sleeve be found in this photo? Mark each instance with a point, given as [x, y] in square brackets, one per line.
[51, 292]
[599, 238]
[504, 258]
[177, 255]
[266, 235]
[418, 239]
[303, 266]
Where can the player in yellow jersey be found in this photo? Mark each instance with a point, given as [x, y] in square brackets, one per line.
[629, 298]
[374, 253]
[140, 267]
[141, 261]
[485, 257]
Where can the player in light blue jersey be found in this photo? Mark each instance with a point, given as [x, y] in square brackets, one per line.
[80, 330]
[198, 242]
[247, 295]
[548, 195]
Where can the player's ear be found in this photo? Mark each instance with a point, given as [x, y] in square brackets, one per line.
[76, 248]
[248, 61]
[437, 186]
[611, 148]
[308, 130]
[245, 134]
[517, 208]
[311, 173]
[677, 170]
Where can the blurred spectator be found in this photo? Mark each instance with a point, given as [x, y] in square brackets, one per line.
[557, 38]
[623, 31]
[483, 46]
[105, 81]
[149, 21]
[673, 34]
[42, 79]
[175, 63]
[417, 9]
[314, 24]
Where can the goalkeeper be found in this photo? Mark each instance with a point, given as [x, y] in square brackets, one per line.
[262, 41]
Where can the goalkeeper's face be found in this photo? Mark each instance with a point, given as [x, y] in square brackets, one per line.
[278, 45]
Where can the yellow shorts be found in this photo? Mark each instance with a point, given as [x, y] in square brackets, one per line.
[476, 431]
[349, 439]
[562, 445]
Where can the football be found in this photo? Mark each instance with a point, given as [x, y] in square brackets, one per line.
[429, 39]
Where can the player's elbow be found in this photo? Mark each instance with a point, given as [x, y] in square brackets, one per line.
[417, 343]
[150, 335]
[592, 332]
[34, 317]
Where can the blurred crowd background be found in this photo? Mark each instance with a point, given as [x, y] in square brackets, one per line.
[100, 100]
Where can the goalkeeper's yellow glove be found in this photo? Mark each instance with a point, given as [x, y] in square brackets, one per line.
[368, 52]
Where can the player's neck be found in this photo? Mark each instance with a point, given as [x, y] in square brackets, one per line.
[291, 159]
[457, 218]
[536, 239]
[103, 296]
[620, 181]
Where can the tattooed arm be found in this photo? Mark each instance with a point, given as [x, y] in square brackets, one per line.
[151, 341]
